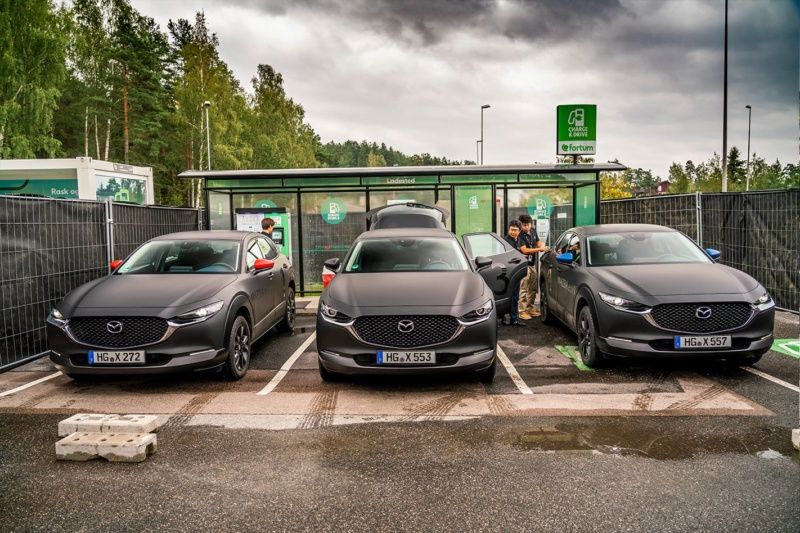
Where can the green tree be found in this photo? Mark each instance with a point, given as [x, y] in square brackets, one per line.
[709, 175]
[614, 185]
[640, 181]
[736, 170]
[32, 66]
[679, 179]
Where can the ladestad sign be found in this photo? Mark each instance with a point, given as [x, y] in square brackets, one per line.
[577, 129]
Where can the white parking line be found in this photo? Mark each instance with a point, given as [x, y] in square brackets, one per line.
[29, 385]
[286, 366]
[771, 378]
[515, 377]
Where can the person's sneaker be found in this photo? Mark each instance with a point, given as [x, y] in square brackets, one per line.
[506, 321]
[525, 316]
[535, 313]
[519, 324]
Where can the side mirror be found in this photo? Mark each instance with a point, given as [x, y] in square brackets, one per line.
[333, 264]
[566, 258]
[115, 264]
[263, 264]
[482, 261]
[713, 254]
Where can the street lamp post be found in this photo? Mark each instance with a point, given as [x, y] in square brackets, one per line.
[725, 109]
[206, 105]
[484, 106]
[477, 152]
[749, 116]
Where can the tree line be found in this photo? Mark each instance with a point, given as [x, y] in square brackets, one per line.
[97, 78]
[705, 176]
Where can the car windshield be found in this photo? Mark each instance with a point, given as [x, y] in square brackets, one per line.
[184, 257]
[636, 247]
[406, 255]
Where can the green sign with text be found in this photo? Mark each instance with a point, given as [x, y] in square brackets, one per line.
[576, 129]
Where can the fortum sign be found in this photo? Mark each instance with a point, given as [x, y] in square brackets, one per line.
[576, 129]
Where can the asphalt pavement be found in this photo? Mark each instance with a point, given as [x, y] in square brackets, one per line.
[638, 446]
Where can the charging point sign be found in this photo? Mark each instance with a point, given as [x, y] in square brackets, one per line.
[576, 129]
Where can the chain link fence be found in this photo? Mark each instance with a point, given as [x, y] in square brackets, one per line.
[48, 247]
[757, 232]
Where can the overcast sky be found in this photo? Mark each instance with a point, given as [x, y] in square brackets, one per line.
[413, 74]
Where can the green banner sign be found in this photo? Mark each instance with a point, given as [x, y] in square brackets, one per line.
[399, 180]
[576, 129]
[52, 188]
[540, 207]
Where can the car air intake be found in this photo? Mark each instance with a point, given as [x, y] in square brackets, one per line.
[406, 331]
[128, 332]
[702, 318]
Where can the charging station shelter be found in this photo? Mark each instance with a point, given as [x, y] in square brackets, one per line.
[320, 211]
[82, 177]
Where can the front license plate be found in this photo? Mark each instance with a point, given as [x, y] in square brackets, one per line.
[116, 358]
[702, 343]
[406, 358]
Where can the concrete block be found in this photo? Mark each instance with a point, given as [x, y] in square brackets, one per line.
[115, 447]
[796, 438]
[108, 423]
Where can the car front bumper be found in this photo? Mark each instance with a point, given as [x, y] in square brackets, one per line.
[632, 335]
[471, 350]
[190, 347]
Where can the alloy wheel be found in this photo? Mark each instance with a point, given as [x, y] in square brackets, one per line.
[241, 348]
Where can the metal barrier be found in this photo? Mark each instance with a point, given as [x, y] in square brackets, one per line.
[50, 246]
[757, 232]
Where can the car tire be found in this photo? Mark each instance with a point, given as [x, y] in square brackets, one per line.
[328, 376]
[289, 316]
[587, 338]
[487, 376]
[545, 315]
[239, 350]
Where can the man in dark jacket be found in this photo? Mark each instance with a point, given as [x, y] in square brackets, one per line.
[512, 238]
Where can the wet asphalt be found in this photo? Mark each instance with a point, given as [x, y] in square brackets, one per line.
[554, 473]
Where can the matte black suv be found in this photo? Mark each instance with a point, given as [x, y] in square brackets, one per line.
[189, 300]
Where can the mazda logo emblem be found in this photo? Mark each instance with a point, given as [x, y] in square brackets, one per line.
[115, 326]
[703, 312]
[405, 326]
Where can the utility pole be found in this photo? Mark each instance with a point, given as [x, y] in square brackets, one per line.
[484, 106]
[725, 110]
[478, 152]
[206, 105]
[749, 116]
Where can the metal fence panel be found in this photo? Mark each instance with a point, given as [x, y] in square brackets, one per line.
[675, 211]
[758, 233]
[49, 247]
[135, 224]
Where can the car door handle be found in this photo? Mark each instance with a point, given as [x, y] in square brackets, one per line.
[285, 265]
[515, 261]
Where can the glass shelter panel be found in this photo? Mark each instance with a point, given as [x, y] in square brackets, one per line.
[551, 210]
[219, 210]
[268, 200]
[586, 205]
[401, 196]
[473, 208]
[331, 222]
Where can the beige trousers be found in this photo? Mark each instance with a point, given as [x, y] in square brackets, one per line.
[527, 291]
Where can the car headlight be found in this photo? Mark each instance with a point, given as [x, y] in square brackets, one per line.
[197, 315]
[477, 315]
[329, 314]
[56, 318]
[623, 304]
[764, 302]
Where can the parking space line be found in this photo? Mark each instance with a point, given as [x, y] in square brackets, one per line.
[29, 385]
[276, 379]
[512, 372]
[771, 378]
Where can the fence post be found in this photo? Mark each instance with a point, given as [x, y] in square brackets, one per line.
[699, 216]
[109, 234]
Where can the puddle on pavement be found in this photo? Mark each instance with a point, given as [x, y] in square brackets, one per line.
[621, 439]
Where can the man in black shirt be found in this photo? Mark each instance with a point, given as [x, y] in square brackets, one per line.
[530, 245]
[512, 238]
[266, 226]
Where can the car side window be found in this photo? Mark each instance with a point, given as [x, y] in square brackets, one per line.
[563, 243]
[574, 247]
[268, 249]
[484, 244]
[253, 252]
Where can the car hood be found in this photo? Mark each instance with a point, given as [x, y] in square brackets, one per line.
[674, 279]
[405, 289]
[146, 290]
